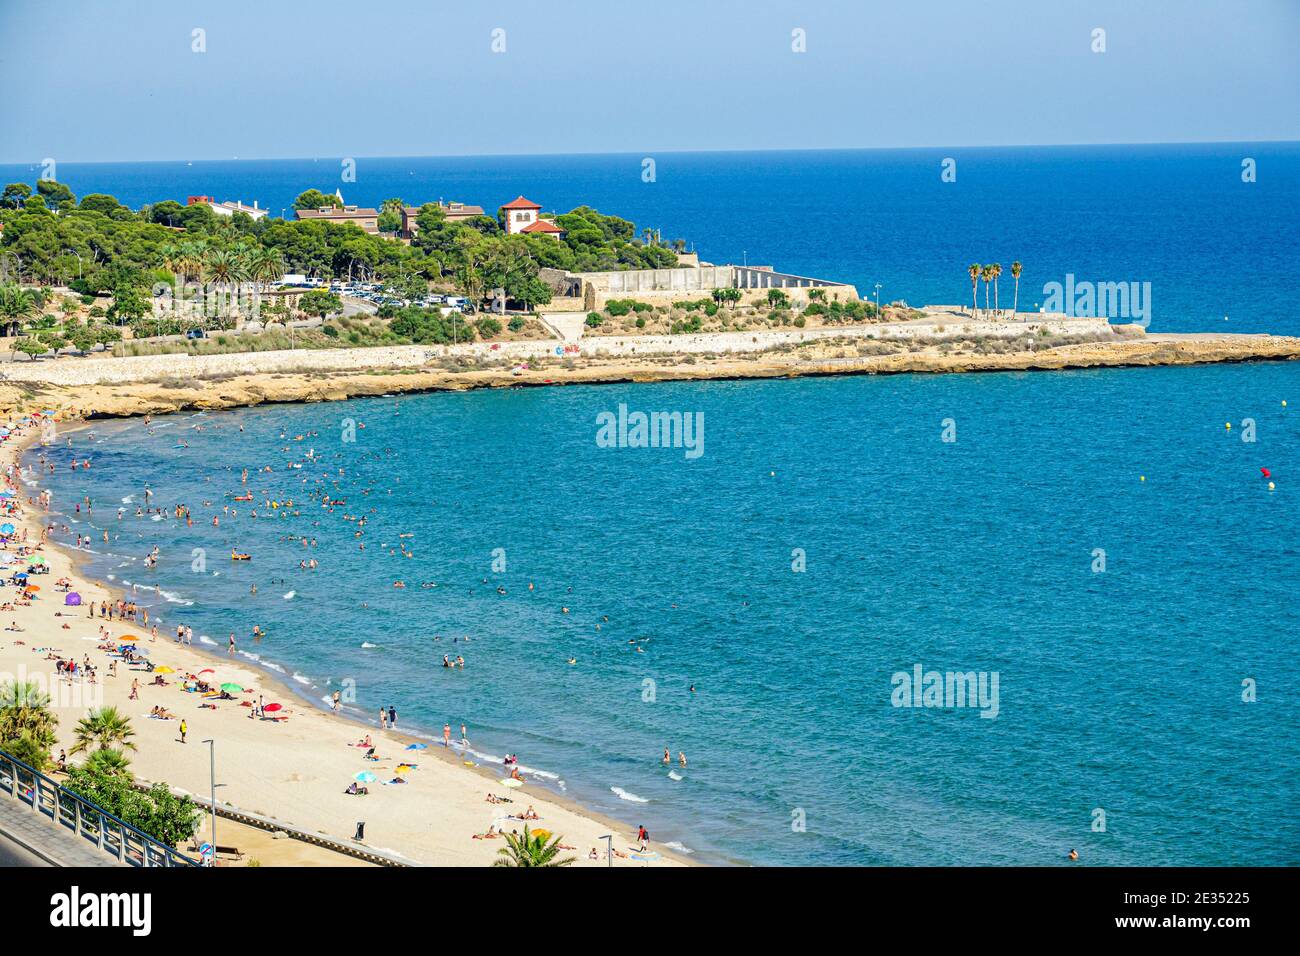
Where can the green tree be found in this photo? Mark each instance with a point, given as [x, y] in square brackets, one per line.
[26, 724]
[103, 729]
[975, 270]
[14, 195]
[109, 762]
[129, 302]
[57, 196]
[157, 811]
[1016, 268]
[319, 302]
[314, 199]
[529, 850]
[16, 306]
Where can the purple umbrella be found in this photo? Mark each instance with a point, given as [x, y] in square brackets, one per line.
[72, 598]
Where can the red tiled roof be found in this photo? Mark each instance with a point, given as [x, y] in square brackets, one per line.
[542, 225]
[521, 203]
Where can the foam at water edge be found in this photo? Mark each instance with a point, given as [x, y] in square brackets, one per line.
[626, 795]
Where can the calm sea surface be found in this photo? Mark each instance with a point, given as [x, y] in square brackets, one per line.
[1119, 690]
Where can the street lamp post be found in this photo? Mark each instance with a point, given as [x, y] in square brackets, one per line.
[609, 848]
[212, 768]
[877, 300]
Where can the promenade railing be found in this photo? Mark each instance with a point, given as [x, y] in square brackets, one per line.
[92, 823]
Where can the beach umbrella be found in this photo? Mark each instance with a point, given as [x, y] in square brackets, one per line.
[232, 688]
[272, 708]
[163, 670]
[32, 587]
[7, 528]
[416, 746]
[6, 494]
[207, 670]
[403, 768]
[72, 598]
[364, 776]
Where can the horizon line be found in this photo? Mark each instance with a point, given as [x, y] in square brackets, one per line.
[780, 149]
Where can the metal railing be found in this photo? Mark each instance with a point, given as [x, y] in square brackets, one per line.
[95, 825]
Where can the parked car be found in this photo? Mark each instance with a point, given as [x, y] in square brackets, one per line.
[196, 334]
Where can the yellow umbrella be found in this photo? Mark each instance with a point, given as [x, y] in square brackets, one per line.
[163, 670]
[402, 768]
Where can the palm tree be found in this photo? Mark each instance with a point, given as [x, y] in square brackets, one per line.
[987, 275]
[996, 269]
[974, 271]
[16, 305]
[104, 728]
[529, 850]
[1015, 274]
[24, 707]
[109, 762]
[26, 724]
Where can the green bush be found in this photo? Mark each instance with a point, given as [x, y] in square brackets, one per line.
[640, 323]
[594, 319]
[488, 327]
[157, 811]
[517, 323]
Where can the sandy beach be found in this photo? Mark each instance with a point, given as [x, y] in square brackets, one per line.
[294, 770]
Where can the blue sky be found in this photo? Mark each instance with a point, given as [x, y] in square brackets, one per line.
[89, 80]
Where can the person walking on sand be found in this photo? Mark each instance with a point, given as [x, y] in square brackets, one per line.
[336, 701]
[446, 735]
[184, 729]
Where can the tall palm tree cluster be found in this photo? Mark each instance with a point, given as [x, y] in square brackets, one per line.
[207, 265]
[27, 731]
[989, 275]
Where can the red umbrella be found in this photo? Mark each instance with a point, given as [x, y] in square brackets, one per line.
[207, 670]
[271, 708]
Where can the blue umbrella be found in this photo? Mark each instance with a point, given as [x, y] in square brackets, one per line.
[7, 528]
[417, 746]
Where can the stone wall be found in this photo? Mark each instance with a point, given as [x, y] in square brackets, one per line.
[75, 371]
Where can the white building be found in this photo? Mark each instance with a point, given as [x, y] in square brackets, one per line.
[227, 208]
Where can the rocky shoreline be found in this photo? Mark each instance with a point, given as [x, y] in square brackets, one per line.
[169, 383]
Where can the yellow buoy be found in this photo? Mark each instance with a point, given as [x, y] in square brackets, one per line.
[1284, 403]
[1142, 478]
[1228, 425]
[1271, 486]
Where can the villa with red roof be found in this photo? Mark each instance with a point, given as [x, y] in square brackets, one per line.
[523, 216]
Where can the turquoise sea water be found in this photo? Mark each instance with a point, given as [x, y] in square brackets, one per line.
[1119, 690]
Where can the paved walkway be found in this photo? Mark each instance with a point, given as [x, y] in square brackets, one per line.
[36, 835]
